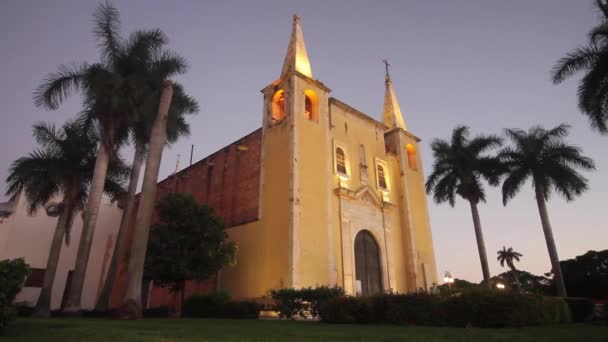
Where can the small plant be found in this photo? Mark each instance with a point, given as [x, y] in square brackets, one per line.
[12, 276]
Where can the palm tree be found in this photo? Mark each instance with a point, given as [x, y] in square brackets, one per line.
[542, 156]
[131, 307]
[62, 166]
[177, 127]
[458, 169]
[593, 60]
[115, 92]
[508, 256]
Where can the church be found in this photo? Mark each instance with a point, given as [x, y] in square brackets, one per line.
[321, 194]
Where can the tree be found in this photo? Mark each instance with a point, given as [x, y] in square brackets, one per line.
[115, 92]
[458, 169]
[62, 166]
[542, 156]
[587, 275]
[508, 256]
[188, 243]
[181, 105]
[593, 60]
[528, 282]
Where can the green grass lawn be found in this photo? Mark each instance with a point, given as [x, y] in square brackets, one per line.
[63, 329]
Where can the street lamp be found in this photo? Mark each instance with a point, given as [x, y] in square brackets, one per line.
[448, 279]
[500, 286]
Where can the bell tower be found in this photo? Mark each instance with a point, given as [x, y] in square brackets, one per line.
[295, 146]
[417, 239]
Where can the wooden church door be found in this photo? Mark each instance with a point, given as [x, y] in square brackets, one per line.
[367, 264]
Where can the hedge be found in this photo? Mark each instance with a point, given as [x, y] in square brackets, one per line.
[304, 303]
[218, 305]
[12, 276]
[479, 309]
[582, 309]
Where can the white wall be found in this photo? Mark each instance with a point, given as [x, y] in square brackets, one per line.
[29, 237]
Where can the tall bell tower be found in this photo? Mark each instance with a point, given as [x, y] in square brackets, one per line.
[417, 239]
[295, 161]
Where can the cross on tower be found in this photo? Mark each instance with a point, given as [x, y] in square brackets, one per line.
[386, 65]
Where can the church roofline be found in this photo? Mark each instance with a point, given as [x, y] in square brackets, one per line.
[408, 133]
[357, 112]
[184, 170]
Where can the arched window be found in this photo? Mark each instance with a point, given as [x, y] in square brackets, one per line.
[311, 105]
[340, 161]
[412, 161]
[381, 178]
[278, 106]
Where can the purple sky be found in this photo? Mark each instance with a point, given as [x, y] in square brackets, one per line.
[481, 63]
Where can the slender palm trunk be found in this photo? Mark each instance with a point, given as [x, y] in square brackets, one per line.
[515, 276]
[119, 248]
[131, 308]
[544, 219]
[43, 305]
[481, 246]
[88, 228]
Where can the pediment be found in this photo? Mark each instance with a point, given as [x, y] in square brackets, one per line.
[367, 194]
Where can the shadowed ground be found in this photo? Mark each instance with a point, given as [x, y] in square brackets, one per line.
[253, 330]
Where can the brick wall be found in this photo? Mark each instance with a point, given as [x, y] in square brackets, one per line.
[228, 181]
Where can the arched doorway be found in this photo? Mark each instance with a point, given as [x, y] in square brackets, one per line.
[367, 264]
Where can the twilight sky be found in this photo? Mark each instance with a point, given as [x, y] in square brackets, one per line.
[482, 63]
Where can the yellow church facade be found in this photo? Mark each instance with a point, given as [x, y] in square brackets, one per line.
[341, 195]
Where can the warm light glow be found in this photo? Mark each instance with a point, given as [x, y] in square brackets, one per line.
[278, 106]
[412, 159]
[448, 278]
[311, 105]
[500, 286]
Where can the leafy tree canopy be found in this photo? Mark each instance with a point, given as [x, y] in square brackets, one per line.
[587, 275]
[188, 243]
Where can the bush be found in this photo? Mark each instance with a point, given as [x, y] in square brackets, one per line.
[205, 305]
[157, 312]
[304, 303]
[476, 308]
[581, 309]
[242, 310]
[12, 275]
[218, 305]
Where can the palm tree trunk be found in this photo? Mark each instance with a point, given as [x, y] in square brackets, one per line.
[119, 248]
[481, 246]
[88, 228]
[544, 218]
[131, 308]
[43, 305]
[515, 276]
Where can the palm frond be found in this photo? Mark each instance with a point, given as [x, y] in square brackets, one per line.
[580, 59]
[56, 87]
[106, 29]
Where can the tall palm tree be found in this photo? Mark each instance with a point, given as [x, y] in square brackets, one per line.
[115, 91]
[542, 156]
[593, 60]
[459, 167]
[131, 307]
[508, 256]
[177, 127]
[61, 167]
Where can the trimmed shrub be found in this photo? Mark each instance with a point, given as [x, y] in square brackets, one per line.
[157, 312]
[555, 310]
[581, 309]
[12, 276]
[241, 310]
[205, 305]
[218, 305]
[479, 309]
[305, 302]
